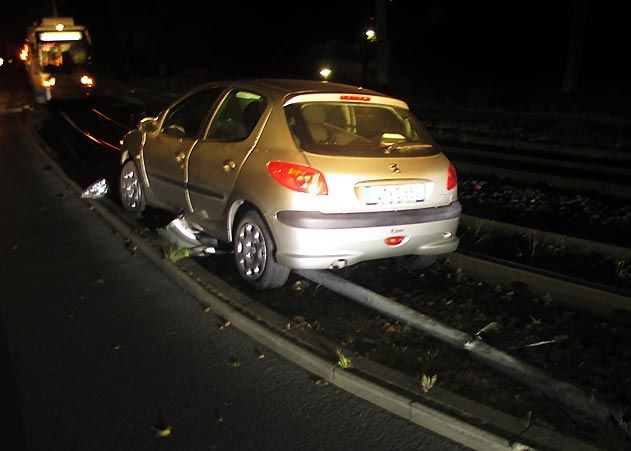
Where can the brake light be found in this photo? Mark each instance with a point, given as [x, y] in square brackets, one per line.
[297, 177]
[452, 177]
[356, 98]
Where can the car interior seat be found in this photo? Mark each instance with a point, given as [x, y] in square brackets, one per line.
[251, 115]
[315, 118]
[228, 126]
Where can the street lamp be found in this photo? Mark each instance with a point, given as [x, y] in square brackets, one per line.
[325, 73]
[371, 36]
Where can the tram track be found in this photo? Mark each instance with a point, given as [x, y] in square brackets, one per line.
[303, 289]
[595, 297]
[600, 300]
[575, 291]
[556, 283]
[592, 153]
[585, 291]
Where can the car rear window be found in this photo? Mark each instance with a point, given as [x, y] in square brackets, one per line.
[338, 128]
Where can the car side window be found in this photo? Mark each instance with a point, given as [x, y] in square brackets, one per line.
[188, 116]
[237, 116]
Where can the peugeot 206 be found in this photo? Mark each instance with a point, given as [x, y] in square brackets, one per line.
[295, 174]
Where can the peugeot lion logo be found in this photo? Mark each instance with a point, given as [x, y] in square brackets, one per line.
[395, 168]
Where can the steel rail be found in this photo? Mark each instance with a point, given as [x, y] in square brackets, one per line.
[88, 135]
[109, 119]
[606, 249]
[462, 138]
[500, 155]
[601, 186]
[591, 298]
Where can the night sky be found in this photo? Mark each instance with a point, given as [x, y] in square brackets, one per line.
[476, 42]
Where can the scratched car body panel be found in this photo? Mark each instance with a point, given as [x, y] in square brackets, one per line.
[296, 174]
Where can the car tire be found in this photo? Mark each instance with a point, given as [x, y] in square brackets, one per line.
[131, 190]
[254, 254]
[415, 262]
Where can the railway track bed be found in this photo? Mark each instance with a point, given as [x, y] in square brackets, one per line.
[588, 351]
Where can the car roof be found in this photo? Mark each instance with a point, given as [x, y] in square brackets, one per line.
[283, 87]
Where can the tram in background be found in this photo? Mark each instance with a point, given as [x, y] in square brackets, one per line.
[57, 56]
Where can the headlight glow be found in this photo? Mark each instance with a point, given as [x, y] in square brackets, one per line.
[49, 83]
[86, 80]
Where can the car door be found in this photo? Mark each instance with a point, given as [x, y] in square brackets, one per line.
[215, 162]
[165, 151]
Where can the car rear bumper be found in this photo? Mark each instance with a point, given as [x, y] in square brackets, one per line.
[353, 241]
[317, 220]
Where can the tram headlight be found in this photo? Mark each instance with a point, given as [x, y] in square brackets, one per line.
[49, 83]
[86, 80]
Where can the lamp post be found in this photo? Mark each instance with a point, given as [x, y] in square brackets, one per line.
[325, 73]
[368, 40]
[383, 44]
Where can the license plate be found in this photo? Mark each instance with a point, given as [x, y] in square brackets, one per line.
[394, 194]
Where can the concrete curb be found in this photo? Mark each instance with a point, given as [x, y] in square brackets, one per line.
[469, 423]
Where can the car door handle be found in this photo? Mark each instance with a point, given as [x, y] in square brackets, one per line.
[180, 156]
[229, 165]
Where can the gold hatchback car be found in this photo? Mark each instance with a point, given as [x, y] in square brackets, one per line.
[296, 174]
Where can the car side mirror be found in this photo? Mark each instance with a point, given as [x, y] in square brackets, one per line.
[148, 125]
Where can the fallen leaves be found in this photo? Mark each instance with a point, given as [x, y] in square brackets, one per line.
[174, 253]
[491, 327]
[299, 285]
[343, 361]
[234, 362]
[131, 246]
[427, 382]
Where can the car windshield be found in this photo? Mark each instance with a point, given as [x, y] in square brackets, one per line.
[338, 128]
[63, 57]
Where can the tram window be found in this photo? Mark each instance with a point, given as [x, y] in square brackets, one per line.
[63, 57]
[192, 112]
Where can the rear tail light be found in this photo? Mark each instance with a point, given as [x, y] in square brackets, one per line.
[452, 177]
[297, 177]
[395, 240]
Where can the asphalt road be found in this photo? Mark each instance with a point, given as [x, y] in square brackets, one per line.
[101, 351]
